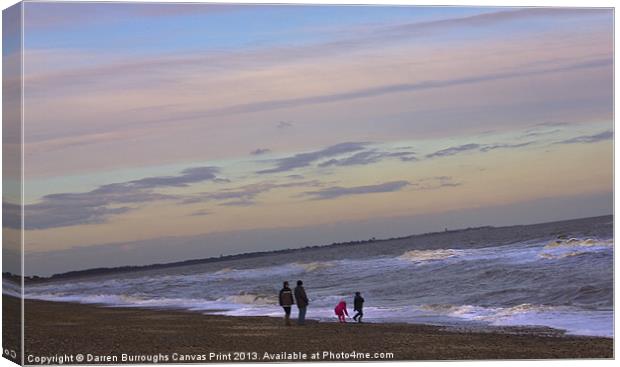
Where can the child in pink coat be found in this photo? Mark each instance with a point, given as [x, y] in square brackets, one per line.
[341, 310]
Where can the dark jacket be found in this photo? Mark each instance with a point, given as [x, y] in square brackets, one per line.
[300, 296]
[286, 297]
[358, 303]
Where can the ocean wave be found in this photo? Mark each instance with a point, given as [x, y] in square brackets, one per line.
[102, 299]
[122, 300]
[561, 249]
[488, 314]
[251, 299]
[579, 242]
[224, 271]
[316, 265]
[11, 288]
[429, 255]
[547, 255]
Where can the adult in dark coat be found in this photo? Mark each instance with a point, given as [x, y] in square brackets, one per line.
[286, 301]
[302, 302]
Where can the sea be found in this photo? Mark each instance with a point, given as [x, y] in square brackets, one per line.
[556, 275]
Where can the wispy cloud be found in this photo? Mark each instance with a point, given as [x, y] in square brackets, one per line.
[552, 124]
[276, 104]
[244, 195]
[484, 148]
[433, 183]
[187, 177]
[537, 133]
[343, 154]
[200, 213]
[488, 148]
[605, 135]
[453, 150]
[338, 191]
[284, 125]
[305, 159]
[238, 203]
[98, 205]
[368, 157]
[260, 151]
[490, 18]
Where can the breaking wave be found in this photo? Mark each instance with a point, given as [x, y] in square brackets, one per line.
[561, 249]
[312, 266]
[577, 242]
[429, 255]
[250, 299]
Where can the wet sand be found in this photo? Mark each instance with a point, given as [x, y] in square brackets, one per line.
[54, 328]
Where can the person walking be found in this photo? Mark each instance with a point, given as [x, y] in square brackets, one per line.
[341, 311]
[358, 306]
[286, 301]
[302, 302]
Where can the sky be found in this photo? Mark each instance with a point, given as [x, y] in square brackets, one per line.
[165, 132]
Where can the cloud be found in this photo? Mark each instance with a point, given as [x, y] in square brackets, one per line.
[552, 124]
[544, 128]
[187, 177]
[536, 133]
[200, 213]
[453, 150]
[486, 19]
[238, 203]
[605, 135]
[260, 151]
[487, 148]
[338, 191]
[276, 104]
[434, 183]
[484, 148]
[284, 125]
[244, 195]
[305, 159]
[368, 157]
[361, 156]
[365, 157]
[403, 156]
[98, 205]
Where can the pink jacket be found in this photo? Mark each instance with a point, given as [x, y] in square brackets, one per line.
[341, 308]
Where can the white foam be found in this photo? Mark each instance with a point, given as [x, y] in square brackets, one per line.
[316, 265]
[250, 299]
[429, 255]
[561, 249]
[573, 321]
[11, 289]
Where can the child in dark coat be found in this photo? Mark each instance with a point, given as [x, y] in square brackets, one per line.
[358, 305]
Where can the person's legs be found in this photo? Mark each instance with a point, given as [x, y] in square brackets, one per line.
[302, 316]
[360, 314]
[287, 315]
[356, 315]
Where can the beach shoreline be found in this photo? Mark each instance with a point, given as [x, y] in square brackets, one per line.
[57, 328]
